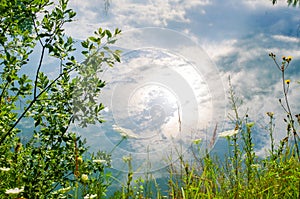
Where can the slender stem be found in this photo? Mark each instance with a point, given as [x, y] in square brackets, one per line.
[271, 135]
[123, 138]
[285, 94]
[290, 115]
[38, 71]
[235, 145]
[41, 57]
[51, 37]
[76, 190]
[2, 93]
[36, 29]
[276, 63]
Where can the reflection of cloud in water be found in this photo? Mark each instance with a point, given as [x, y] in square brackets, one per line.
[164, 102]
[150, 106]
[126, 133]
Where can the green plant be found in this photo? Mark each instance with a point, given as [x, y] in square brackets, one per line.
[46, 163]
[289, 120]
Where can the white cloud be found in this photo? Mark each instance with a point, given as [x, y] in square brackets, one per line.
[156, 13]
[193, 3]
[259, 4]
[285, 38]
[127, 133]
[216, 50]
[128, 14]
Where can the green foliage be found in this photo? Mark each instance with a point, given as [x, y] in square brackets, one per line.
[48, 163]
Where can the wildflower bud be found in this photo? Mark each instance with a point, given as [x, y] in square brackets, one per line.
[294, 133]
[272, 55]
[279, 100]
[287, 81]
[285, 139]
[197, 141]
[283, 58]
[289, 58]
[270, 114]
[250, 124]
[127, 158]
[84, 178]
[76, 173]
[186, 168]
[288, 127]
[79, 160]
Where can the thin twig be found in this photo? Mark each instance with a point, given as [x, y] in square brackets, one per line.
[31, 104]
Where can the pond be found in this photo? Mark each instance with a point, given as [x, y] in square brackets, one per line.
[171, 87]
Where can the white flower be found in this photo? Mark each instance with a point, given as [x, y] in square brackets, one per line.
[100, 161]
[228, 133]
[14, 191]
[65, 190]
[4, 169]
[127, 133]
[62, 190]
[88, 196]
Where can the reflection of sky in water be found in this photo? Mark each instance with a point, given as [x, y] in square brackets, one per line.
[150, 107]
[237, 36]
[160, 97]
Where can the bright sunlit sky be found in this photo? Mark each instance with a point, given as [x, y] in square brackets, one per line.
[219, 38]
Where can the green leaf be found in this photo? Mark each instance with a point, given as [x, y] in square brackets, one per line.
[117, 31]
[85, 44]
[112, 41]
[108, 33]
[38, 121]
[117, 57]
[100, 31]
[94, 39]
